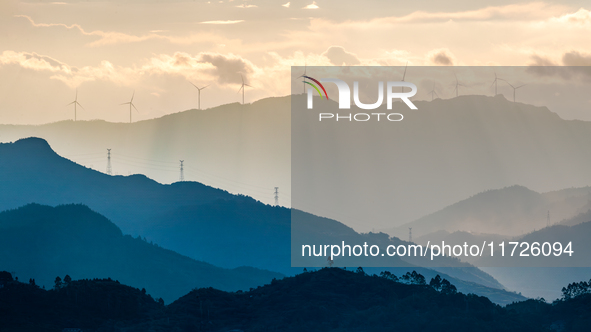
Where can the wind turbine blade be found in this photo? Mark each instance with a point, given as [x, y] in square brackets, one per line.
[81, 106]
[493, 82]
[520, 86]
[133, 95]
[71, 103]
[242, 87]
[248, 85]
[134, 108]
[507, 83]
[242, 79]
[205, 86]
[124, 103]
[194, 85]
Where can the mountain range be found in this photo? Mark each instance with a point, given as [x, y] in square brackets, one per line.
[200, 222]
[330, 299]
[447, 150]
[510, 212]
[41, 242]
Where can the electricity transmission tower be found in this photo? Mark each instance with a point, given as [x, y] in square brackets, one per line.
[410, 234]
[182, 176]
[109, 170]
[276, 196]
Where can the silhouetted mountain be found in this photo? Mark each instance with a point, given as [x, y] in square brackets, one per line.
[330, 299]
[201, 222]
[510, 211]
[241, 148]
[187, 217]
[42, 242]
[90, 305]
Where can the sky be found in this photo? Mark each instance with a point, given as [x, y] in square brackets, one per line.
[107, 51]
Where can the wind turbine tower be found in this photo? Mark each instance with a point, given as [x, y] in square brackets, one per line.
[433, 93]
[305, 67]
[242, 88]
[514, 87]
[131, 105]
[495, 82]
[458, 84]
[404, 76]
[76, 103]
[199, 94]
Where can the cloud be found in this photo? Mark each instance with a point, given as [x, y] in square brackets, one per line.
[228, 68]
[69, 75]
[222, 22]
[286, 5]
[246, 6]
[313, 5]
[543, 66]
[441, 57]
[538, 60]
[582, 16]
[225, 69]
[339, 57]
[106, 38]
[575, 58]
[112, 37]
[520, 12]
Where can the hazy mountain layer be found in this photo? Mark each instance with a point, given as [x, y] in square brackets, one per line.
[445, 151]
[511, 211]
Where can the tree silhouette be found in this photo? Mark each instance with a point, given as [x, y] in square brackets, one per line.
[58, 283]
[436, 283]
[447, 287]
[67, 279]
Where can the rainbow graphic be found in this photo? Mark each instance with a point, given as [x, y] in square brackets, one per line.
[315, 87]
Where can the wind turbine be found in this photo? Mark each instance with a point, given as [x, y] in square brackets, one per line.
[458, 84]
[131, 105]
[305, 67]
[432, 92]
[403, 76]
[242, 88]
[495, 82]
[199, 93]
[76, 103]
[514, 87]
